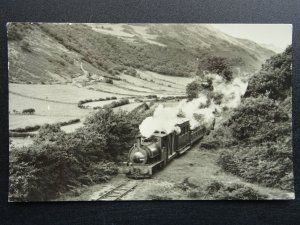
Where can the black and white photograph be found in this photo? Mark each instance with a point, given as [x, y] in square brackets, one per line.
[149, 111]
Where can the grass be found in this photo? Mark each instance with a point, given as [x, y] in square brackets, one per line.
[165, 79]
[57, 92]
[128, 107]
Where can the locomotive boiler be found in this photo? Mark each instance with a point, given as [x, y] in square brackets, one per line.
[150, 154]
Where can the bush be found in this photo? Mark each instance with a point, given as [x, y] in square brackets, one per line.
[56, 161]
[26, 129]
[73, 121]
[216, 190]
[210, 145]
[151, 96]
[82, 102]
[21, 134]
[30, 111]
[108, 80]
[269, 163]
[218, 65]
[221, 191]
[274, 79]
[193, 89]
[256, 117]
[115, 104]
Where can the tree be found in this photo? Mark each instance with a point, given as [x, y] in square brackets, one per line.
[259, 118]
[274, 79]
[28, 111]
[218, 65]
[49, 133]
[118, 130]
[193, 89]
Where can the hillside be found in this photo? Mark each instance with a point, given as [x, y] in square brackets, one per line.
[54, 53]
[256, 142]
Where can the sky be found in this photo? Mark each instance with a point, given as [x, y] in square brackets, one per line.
[279, 35]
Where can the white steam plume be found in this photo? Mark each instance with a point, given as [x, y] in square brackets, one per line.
[199, 111]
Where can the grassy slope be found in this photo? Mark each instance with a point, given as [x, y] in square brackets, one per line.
[54, 52]
[199, 167]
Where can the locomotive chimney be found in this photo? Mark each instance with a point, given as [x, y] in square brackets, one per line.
[138, 141]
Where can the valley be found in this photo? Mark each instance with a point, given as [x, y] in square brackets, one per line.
[85, 100]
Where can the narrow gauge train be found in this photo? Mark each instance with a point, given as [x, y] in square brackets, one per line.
[150, 154]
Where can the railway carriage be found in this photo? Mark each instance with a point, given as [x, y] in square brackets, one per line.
[150, 154]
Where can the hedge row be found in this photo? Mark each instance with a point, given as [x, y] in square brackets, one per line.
[37, 127]
[114, 104]
[166, 98]
[82, 102]
[23, 134]
[26, 129]
[68, 122]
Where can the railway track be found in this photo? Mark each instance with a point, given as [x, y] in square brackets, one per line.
[118, 192]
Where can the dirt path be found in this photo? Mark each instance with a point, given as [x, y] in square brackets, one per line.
[199, 167]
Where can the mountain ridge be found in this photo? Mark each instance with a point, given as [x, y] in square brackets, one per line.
[53, 53]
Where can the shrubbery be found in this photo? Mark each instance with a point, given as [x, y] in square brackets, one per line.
[26, 129]
[259, 130]
[216, 190]
[151, 96]
[73, 121]
[232, 191]
[193, 89]
[115, 104]
[82, 102]
[255, 142]
[218, 65]
[258, 118]
[275, 77]
[37, 127]
[58, 162]
[110, 105]
[269, 163]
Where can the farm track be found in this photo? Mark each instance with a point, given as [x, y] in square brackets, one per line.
[118, 192]
[42, 99]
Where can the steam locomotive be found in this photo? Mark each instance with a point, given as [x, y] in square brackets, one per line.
[149, 155]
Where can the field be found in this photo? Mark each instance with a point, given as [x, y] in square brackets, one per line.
[65, 93]
[58, 102]
[45, 111]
